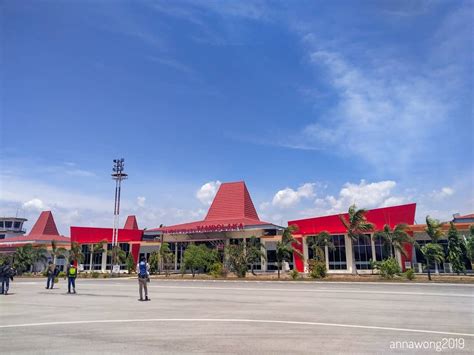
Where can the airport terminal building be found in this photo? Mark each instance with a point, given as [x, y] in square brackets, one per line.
[232, 218]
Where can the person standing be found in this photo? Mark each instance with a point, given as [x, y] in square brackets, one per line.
[51, 274]
[143, 278]
[71, 278]
[7, 273]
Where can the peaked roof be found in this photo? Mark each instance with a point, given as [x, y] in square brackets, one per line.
[131, 223]
[232, 208]
[45, 225]
[232, 201]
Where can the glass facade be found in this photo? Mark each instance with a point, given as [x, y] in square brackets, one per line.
[362, 247]
[337, 256]
[125, 247]
[87, 256]
[382, 250]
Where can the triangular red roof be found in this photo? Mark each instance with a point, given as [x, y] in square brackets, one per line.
[232, 201]
[232, 206]
[131, 223]
[45, 225]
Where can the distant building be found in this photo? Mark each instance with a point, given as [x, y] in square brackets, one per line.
[129, 238]
[462, 224]
[42, 234]
[231, 219]
[11, 227]
[468, 218]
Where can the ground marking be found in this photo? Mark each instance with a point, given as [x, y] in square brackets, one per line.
[317, 290]
[237, 320]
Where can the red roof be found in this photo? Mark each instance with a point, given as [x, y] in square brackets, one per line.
[379, 216]
[232, 208]
[131, 223]
[467, 216]
[232, 201]
[45, 225]
[35, 239]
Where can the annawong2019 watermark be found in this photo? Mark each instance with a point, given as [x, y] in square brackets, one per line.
[444, 344]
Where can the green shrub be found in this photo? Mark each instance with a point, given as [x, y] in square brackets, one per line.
[105, 275]
[388, 268]
[217, 270]
[95, 274]
[85, 275]
[317, 269]
[62, 274]
[410, 274]
[294, 274]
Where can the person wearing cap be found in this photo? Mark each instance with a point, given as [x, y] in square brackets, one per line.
[71, 278]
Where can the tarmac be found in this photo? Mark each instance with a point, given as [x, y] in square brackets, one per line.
[241, 317]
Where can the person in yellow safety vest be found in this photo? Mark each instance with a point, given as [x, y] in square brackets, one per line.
[71, 278]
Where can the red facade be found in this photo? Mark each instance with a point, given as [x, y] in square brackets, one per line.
[90, 235]
[333, 225]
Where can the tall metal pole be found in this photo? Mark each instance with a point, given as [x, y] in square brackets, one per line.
[118, 175]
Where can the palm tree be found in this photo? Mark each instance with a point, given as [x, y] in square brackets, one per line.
[97, 248]
[285, 247]
[165, 257]
[255, 252]
[118, 254]
[435, 232]
[470, 245]
[318, 243]
[75, 254]
[395, 239]
[456, 250]
[23, 258]
[432, 253]
[39, 256]
[434, 229]
[57, 252]
[356, 227]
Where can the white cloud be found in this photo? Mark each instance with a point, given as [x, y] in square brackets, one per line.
[443, 193]
[364, 195]
[288, 197]
[35, 204]
[141, 201]
[374, 103]
[207, 192]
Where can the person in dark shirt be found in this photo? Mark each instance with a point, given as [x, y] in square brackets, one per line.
[6, 274]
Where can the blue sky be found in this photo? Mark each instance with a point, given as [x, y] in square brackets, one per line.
[314, 104]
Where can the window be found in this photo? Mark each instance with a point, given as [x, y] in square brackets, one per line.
[8, 224]
[2, 236]
[2, 225]
[420, 258]
[312, 254]
[87, 256]
[271, 256]
[17, 225]
[382, 250]
[362, 252]
[337, 256]
[97, 262]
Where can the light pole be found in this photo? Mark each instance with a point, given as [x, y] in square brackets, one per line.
[118, 175]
